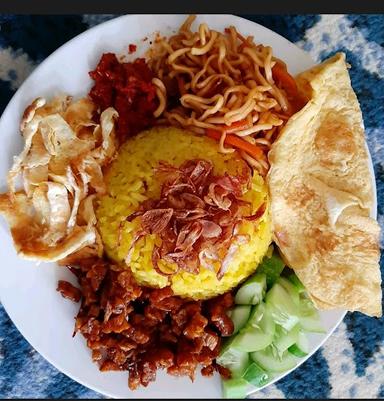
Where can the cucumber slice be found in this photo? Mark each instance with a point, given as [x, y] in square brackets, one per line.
[252, 340]
[312, 324]
[252, 291]
[258, 332]
[233, 359]
[284, 339]
[238, 366]
[296, 282]
[272, 268]
[309, 317]
[235, 388]
[301, 347]
[239, 316]
[283, 309]
[307, 308]
[295, 350]
[261, 318]
[290, 288]
[271, 362]
[256, 375]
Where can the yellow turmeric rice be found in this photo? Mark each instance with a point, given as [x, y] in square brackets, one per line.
[130, 180]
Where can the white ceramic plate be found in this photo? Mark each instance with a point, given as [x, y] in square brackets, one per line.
[28, 292]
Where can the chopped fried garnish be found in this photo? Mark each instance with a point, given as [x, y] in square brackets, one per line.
[60, 168]
[196, 217]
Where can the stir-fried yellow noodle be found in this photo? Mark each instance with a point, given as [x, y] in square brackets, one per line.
[221, 81]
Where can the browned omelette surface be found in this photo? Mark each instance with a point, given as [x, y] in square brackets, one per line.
[321, 194]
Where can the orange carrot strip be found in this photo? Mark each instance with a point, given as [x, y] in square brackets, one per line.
[237, 142]
[280, 74]
[288, 83]
[236, 126]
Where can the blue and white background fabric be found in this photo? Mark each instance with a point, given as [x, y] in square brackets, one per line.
[351, 363]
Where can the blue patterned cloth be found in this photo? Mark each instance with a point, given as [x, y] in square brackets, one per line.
[351, 363]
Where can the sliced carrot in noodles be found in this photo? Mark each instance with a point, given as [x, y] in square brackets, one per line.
[237, 142]
[236, 126]
[285, 79]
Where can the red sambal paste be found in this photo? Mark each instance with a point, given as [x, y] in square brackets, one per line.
[132, 48]
[128, 88]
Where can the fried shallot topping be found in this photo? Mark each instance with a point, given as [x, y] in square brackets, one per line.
[197, 217]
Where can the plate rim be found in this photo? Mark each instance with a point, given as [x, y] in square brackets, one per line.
[90, 31]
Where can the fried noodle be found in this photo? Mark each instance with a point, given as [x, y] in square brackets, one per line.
[218, 80]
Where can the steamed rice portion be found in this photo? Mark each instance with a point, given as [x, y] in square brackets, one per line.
[130, 180]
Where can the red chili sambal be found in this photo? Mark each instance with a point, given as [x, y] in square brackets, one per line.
[132, 48]
[127, 87]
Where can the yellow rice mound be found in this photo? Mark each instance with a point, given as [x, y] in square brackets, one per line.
[130, 180]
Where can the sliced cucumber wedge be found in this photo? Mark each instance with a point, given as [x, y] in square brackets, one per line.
[306, 306]
[296, 282]
[312, 324]
[272, 267]
[301, 347]
[235, 388]
[290, 288]
[252, 291]
[283, 309]
[257, 333]
[269, 360]
[233, 359]
[260, 317]
[238, 366]
[309, 317]
[269, 328]
[256, 375]
[252, 340]
[284, 339]
[239, 316]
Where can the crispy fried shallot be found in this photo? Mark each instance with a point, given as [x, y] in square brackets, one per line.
[196, 217]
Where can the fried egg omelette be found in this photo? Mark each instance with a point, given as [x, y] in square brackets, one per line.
[322, 196]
